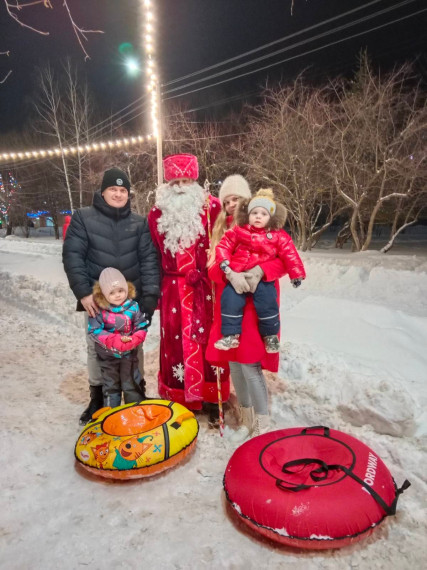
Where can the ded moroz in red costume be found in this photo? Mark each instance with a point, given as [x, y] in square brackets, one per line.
[180, 224]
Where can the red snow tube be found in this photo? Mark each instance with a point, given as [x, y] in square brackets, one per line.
[311, 488]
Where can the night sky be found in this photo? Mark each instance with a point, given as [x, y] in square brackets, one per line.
[194, 34]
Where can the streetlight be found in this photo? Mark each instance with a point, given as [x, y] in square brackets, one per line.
[132, 65]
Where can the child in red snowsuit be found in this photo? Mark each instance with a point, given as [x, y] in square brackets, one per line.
[256, 238]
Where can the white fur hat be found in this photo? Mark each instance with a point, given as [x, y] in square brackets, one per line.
[234, 185]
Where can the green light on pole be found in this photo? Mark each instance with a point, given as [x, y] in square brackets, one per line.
[125, 48]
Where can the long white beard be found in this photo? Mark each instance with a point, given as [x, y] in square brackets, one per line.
[181, 208]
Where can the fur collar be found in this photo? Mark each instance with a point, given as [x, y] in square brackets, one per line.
[101, 301]
[276, 222]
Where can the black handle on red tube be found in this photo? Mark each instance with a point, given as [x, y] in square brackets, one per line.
[325, 430]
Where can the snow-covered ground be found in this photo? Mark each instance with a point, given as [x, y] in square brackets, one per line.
[354, 357]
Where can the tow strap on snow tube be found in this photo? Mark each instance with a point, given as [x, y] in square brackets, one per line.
[322, 472]
[309, 489]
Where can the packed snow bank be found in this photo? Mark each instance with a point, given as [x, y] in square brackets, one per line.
[355, 334]
[41, 245]
[376, 360]
[352, 357]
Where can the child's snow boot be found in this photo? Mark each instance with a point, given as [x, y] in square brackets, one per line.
[261, 424]
[272, 343]
[227, 342]
[96, 402]
[246, 425]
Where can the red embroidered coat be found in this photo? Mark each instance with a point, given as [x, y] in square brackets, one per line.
[186, 311]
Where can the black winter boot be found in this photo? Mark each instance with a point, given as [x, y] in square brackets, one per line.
[96, 402]
[142, 390]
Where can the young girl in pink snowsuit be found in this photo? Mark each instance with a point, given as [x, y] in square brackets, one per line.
[118, 329]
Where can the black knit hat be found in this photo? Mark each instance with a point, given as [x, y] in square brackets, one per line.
[115, 177]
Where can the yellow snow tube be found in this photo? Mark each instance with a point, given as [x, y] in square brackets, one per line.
[136, 440]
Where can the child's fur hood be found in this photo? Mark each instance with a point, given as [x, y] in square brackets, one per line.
[101, 301]
[277, 221]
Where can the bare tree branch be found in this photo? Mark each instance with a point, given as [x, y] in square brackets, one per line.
[80, 33]
[9, 72]
[18, 6]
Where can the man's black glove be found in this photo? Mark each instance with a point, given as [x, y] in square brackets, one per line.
[149, 305]
[296, 282]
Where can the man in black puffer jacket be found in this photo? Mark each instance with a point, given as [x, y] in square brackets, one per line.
[108, 234]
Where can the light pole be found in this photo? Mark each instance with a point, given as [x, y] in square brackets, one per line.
[159, 136]
[153, 82]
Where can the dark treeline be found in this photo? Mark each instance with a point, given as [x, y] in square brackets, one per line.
[349, 154]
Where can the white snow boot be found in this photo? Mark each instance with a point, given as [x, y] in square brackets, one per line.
[261, 424]
[246, 424]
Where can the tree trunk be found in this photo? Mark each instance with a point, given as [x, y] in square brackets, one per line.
[67, 182]
[353, 230]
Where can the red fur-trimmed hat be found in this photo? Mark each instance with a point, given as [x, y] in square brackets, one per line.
[176, 166]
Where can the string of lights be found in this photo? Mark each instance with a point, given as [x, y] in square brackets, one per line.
[29, 159]
[71, 150]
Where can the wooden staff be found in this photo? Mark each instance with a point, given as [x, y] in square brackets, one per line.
[218, 369]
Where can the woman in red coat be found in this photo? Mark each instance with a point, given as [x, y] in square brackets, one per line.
[247, 361]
